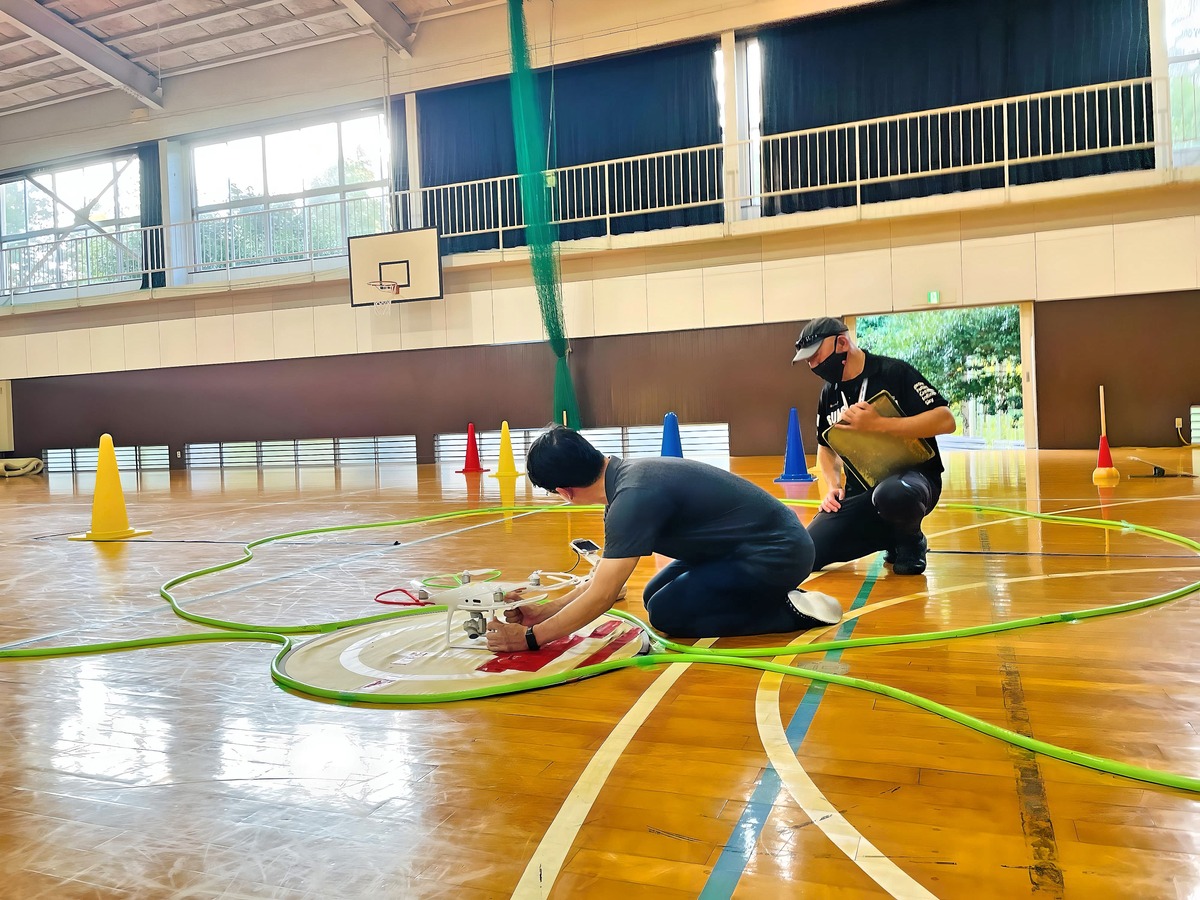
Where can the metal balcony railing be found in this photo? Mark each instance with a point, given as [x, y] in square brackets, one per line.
[1001, 141]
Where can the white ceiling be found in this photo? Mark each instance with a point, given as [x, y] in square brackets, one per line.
[52, 51]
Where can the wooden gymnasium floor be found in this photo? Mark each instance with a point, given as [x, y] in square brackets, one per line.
[186, 772]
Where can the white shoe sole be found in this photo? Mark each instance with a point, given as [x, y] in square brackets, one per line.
[815, 605]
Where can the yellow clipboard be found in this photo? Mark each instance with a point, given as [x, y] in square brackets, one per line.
[872, 456]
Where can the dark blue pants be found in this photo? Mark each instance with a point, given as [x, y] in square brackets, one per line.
[874, 520]
[719, 599]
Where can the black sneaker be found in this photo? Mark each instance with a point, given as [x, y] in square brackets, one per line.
[909, 556]
[889, 557]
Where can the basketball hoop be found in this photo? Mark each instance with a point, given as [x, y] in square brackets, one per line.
[387, 293]
[394, 267]
[391, 288]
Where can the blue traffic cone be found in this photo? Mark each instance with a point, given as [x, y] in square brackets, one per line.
[671, 445]
[794, 466]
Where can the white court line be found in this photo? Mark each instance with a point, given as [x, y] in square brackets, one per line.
[342, 560]
[833, 567]
[547, 860]
[549, 856]
[812, 802]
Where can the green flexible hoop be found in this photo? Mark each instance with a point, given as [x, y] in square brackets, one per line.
[675, 653]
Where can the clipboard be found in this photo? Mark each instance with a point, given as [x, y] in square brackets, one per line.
[870, 456]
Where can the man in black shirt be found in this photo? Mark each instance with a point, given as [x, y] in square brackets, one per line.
[738, 553]
[856, 519]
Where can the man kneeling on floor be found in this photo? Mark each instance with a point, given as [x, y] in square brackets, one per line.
[738, 553]
[856, 518]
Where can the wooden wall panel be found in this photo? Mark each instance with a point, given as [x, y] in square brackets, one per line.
[737, 375]
[740, 375]
[1143, 349]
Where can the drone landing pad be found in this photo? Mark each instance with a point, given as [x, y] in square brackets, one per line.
[408, 660]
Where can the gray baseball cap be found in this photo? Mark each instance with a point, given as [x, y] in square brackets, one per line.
[815, 332]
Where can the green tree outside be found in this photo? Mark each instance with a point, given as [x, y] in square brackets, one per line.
[296, 229]
[973, 356]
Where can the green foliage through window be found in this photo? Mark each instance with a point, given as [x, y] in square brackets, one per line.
[290, 195]
[973, 356]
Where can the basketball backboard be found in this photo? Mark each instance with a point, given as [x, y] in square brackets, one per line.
[395, 267]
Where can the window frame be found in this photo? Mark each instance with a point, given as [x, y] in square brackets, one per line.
[56, 237]
[266, 208]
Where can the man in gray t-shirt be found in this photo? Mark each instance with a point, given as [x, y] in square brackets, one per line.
[738, 553]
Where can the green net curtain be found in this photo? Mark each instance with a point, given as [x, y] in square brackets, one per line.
[541, 233]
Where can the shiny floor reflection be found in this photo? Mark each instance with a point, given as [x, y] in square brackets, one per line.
[185, 772]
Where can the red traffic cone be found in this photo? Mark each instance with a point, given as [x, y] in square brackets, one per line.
[472, 462]
[1105, 472]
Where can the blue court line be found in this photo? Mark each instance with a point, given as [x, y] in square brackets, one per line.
[742, 843]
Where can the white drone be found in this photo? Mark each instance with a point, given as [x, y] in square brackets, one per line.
[472, 597]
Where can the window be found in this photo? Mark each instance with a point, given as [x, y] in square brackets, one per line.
[748, 67]
[1183, 57]
[70, 226]
[290, 195]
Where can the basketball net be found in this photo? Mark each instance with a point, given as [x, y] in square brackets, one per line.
[387, 294]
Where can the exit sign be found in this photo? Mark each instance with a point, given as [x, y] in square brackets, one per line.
[934, 296]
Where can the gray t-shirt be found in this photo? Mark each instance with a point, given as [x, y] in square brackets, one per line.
[697, 513]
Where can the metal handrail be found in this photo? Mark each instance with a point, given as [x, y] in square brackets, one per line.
[998, 135]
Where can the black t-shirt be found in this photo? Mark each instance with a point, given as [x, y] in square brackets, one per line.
[908, 387]
[697, 513]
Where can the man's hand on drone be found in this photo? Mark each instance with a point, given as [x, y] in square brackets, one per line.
[506, 637]
[529, 614]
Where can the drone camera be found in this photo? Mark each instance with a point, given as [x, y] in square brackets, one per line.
[476, 626]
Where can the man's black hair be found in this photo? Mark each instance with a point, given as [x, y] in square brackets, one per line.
[562, 458]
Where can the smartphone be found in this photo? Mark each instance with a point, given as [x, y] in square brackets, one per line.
[583, 546]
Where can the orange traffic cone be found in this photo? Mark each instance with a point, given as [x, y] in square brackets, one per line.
[472, 461]
[110, 522]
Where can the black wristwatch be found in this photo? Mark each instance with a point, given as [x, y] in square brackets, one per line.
[530, 640]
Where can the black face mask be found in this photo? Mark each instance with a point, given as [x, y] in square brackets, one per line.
[831, 367]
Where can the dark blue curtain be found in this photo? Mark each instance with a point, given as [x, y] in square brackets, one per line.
[905, 56]
[1082, 43]
[153, 258]
[643, 103]
[466, 134]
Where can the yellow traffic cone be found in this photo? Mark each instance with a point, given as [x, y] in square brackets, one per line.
[110, 522]
[506, 467]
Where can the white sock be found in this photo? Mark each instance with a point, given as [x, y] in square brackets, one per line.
[815, 605]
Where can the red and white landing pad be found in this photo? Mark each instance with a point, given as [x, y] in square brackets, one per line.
[410, 658]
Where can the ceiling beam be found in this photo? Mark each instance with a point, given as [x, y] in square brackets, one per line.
[385, 20]
[80, 46]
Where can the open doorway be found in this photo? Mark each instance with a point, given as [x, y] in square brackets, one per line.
[972, 355]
